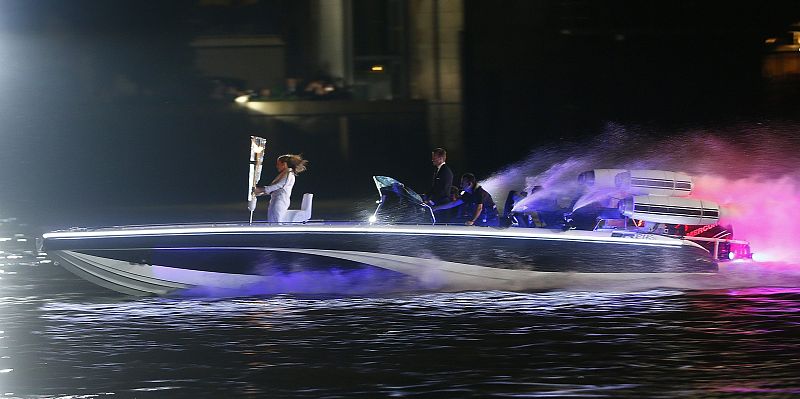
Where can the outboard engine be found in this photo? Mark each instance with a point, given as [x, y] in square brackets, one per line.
[600, 178]
[719, 240]
[654, 182]
[657, 202]
[639, 182]
[672, 210]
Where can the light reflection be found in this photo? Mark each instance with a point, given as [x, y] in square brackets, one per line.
[763, 291]
[281, 311]
[743, 389]
[524, 323]
[153, 389]
[573, 235]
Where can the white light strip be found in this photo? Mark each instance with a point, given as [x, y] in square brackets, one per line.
[518, 233]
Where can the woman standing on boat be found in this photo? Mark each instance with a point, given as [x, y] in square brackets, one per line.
[280, 189]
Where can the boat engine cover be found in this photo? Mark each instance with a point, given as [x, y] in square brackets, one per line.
[672, 210]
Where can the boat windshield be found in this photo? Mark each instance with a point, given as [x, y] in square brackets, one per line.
[385, 183]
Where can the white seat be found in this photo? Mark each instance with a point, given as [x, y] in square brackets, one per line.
[304, 213]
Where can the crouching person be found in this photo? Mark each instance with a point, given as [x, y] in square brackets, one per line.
[475, 207]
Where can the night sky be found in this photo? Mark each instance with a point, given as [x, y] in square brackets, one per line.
[535, 73]
[568, 67]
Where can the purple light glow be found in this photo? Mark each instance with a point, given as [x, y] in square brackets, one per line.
[557, 180]
[360, 281]
[749, 169]
[765, 292]
[591, 196]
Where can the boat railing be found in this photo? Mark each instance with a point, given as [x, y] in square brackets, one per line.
[245, 223]
[717, 242]
[180, 225]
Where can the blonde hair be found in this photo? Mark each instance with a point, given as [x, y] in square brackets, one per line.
[294, 162]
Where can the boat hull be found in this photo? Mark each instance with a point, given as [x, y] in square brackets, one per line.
[166, 259]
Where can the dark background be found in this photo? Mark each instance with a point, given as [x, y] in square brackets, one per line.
[535, 74]
[668, 64]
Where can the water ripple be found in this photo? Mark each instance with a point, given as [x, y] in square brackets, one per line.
[61, 339]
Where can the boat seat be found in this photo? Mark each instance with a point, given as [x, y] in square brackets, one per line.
[304, 213]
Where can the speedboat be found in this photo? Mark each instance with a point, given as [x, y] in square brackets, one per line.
[402, 239]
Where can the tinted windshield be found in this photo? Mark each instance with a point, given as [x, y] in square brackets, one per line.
[385, 183]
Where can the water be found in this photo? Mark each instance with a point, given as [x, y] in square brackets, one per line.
[62, 337]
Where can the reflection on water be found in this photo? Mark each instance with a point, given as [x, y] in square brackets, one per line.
[63, 337]
[731, 337]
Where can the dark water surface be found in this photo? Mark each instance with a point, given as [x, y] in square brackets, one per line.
[61, 337]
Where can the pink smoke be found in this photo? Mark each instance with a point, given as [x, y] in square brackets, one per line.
[750, 168]
[764, 211]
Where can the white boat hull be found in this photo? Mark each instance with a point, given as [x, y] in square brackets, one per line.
[165, 260]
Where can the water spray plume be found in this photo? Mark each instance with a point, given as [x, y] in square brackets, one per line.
[591, 196]
[750, 169]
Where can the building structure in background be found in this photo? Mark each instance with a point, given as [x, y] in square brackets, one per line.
[781, 66]
[256, 61]
[363, 56]
[526, 74]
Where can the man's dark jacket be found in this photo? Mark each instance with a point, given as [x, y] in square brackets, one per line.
[440, 190]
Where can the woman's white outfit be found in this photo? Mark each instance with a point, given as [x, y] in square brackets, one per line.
[281, 192]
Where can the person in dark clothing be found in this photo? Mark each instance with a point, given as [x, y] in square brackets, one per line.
[446, 216]
[442, 179]
[476, 205]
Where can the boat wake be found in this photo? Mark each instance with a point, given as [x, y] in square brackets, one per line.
[369, 281]
[732, 275]
[330, 281]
